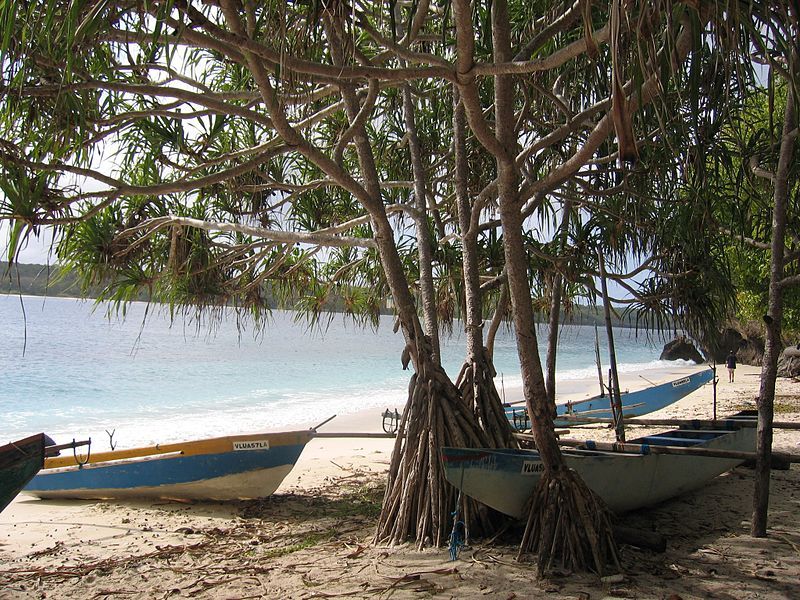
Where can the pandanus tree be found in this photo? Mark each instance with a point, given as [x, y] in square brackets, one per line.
[245, 145]
[453, 213]
[476, 379]
[785, 184]
[558, 97]
[744, 173]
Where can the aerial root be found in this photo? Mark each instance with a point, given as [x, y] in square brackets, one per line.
[476, 384]
[419, 502]
[569, 525]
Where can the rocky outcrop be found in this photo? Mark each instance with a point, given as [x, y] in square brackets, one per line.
[748, 346]
[751, 351]
[789, 362]
[728, 340]
[681, 349]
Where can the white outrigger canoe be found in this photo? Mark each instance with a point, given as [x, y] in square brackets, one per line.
[225, 468]
[625, 480]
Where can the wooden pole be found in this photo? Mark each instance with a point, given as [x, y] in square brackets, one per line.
[329, 419]
[355, 435]
[692, 423]
[54, 450]
[616, 400]
[626, 448]
[597, 361]
[714, 387]
[622, 447]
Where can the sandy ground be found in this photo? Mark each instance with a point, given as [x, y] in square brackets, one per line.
[312, 539]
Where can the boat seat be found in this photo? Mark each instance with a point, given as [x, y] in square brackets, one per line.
[661, 440]
[697, 434]
[706, 434]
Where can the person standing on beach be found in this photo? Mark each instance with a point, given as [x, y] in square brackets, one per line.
[730, 362]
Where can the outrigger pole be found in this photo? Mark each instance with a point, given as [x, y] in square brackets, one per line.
[616, 399]
[597, 362]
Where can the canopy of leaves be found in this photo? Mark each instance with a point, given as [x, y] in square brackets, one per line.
[169, 143]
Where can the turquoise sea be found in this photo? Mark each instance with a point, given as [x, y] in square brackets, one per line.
[70, 371]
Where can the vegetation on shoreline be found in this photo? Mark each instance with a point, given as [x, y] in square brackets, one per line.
[48, 280]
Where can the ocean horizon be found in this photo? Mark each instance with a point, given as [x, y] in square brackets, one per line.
[71, 371]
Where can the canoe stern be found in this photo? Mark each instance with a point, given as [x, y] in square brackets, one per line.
[19, 463]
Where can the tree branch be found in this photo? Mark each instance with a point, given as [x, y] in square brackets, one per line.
[649, 89]
[789, 281]
[213, 102]
[272, 235]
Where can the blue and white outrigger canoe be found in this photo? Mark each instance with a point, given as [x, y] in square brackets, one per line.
[625, 480]
[634, 404]
[225, 468]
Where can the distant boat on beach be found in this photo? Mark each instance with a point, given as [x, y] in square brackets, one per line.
[636, 474]
[19, 462]
[634, 404]
[225, 468]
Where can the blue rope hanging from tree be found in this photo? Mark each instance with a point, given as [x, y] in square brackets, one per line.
[456, 536]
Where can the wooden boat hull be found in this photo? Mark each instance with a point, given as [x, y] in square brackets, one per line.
[634, 404]
[19, 462]
[505, 479]
[228, 468]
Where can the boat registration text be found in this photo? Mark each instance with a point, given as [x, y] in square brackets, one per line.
[532, 466]
[252, 445]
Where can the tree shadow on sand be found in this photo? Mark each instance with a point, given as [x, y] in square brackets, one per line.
[709, 548]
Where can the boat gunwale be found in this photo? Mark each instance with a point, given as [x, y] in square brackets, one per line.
[583, 451]
[119, 461]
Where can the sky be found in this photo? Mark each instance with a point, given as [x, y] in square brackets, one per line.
[35, 251]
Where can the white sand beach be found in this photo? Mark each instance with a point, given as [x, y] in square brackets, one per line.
[312, 539]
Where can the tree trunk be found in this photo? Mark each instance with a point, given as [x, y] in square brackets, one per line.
[476, 380]
[773, 318]
[554, 320]
[542, 413]
[615, 398]
[553, 530]
[499, 314]
[418, 500]
[424, 238]
[567, 522]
